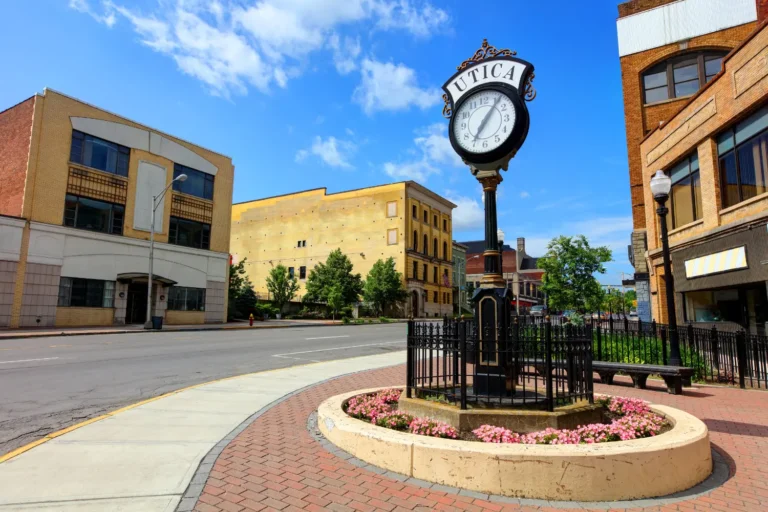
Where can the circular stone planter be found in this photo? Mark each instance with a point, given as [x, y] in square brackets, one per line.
[622, 470]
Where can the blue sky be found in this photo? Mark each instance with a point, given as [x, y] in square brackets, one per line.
[346, 94]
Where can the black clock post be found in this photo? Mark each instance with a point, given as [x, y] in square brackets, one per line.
[494, 375]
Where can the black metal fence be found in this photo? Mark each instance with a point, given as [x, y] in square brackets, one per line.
[526, 365]
[716, 355]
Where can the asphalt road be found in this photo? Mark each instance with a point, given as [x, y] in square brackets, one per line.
[47, 384]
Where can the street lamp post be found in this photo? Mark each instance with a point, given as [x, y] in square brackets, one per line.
[661, 184]
[155, 202]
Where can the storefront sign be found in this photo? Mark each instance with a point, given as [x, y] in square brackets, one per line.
[732, 259]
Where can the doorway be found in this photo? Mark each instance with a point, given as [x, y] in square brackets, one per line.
[136, 307]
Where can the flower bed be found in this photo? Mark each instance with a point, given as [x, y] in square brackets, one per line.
[630, 418]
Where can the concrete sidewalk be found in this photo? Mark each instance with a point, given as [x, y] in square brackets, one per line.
[144, 458]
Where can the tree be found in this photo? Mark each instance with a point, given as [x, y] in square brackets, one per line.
[282, 286]
[246, 301]
[336, 270]
[335, 300]
[569, 269]
[470, 292]
[237, 280]
[384, 286]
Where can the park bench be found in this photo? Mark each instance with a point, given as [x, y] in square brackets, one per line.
[674, 376]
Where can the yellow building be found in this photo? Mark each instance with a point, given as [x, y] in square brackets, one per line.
[403, 220]
[77, 188]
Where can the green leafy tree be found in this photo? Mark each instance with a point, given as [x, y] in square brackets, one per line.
[246, 301]
[237, 280]
[570, 266]
[281, 286]
[335, 300]
[383, 286]
[337, 269]
[470, 291]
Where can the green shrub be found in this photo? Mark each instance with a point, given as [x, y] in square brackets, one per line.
[345, 319]
[384, 320]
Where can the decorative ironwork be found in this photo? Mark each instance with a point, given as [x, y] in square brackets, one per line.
[97, 185]
[529, 89]
[486, 51]
[190, 208]
[447, 108]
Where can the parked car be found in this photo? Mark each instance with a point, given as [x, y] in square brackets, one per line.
[567, 313]
[538, 311]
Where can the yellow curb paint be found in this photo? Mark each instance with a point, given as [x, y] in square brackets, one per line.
[27, 447]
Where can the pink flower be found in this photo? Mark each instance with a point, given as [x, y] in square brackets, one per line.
[432, 428]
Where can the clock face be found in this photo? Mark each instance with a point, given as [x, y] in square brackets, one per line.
[484, 121]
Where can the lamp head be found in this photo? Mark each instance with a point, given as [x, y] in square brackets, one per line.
[661, 184]
[180, 177]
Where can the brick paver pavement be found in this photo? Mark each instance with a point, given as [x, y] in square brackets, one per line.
[275, 464]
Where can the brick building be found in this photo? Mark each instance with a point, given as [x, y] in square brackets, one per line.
[76, 188]
[668, 50]
[519, 270]
[715, 149]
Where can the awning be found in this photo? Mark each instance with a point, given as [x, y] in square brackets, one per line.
[142, 277]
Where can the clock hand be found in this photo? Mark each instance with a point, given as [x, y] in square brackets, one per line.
[487, 116]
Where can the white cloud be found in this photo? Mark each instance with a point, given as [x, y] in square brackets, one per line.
[345, 53]
[524, 195]
[433, 149]
[388, 86]
[332, 151]
[233, 46]
[468, 215]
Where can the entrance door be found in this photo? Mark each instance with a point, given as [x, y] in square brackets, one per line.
[136, 308]
[415, 304]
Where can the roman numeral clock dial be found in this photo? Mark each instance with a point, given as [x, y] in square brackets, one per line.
[484, 121]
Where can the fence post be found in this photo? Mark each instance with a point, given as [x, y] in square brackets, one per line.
[548, 365]
[599, 343]
[626, 324]
[663, 345]
[588, 372]
[463, 364]
[409, 362]
[692, 345]
[741, 357]
[715, 349]
[653, 327]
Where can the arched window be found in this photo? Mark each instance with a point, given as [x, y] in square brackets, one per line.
[445, 251]
[426, 245]
[434, 248]
[415, 240]
[682, 75]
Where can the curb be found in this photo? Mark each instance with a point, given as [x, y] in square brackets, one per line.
[184, 329]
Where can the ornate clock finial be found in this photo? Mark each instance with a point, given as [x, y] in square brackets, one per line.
[486, 51]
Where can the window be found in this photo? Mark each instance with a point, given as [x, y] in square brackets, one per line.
[302, 272]
[445, 225]
[424, 273]
[434, 220]
[426, 245]
[685, 197]
[434, 297]
[392, 209]
[93, 215]
[86, 293]
[391, 236]
[445, 251]
[301, 243]
[198, 183]
[98, 153]
[415, 240]
[681, 76]
[415, 213]
[434, 248]
[186, 299]
[415, 270]
[743, 152]
[290, 272]
[189, 233]
[426, 216]
[426, 297]
[434, 275]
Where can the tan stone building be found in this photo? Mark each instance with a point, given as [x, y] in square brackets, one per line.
[669, 49]
[403, 220]
[715, 149]
[76, 189]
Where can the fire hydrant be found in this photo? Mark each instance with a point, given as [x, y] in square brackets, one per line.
[250, 320]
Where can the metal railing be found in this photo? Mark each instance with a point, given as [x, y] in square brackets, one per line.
[538, 366]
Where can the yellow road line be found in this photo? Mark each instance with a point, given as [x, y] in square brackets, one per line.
[27, 447]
